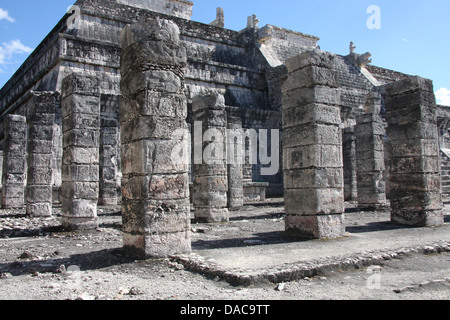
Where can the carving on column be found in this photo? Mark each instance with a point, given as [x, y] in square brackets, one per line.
[154, 157]
[41, 118]
[80, 164]
[14, 163]
[210, 170]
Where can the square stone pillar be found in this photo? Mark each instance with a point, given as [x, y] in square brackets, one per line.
[349, 158]
[415, 181]
[80, 163]
[210, 164]
[109, 150]
[41, 117]
[236, 158]
[312, 148]
[14, 162]
[154, 141]
[369, 135]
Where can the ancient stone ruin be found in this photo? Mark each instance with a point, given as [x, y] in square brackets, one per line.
[131, 103]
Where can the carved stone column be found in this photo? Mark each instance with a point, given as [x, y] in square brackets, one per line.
[14, 163]
[236, 158]
[41, 117]
[210, 170]
[154, 138]
[81, 140]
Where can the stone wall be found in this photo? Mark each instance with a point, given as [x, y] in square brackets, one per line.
[177, 8]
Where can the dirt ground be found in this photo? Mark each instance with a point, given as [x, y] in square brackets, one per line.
[39, 261]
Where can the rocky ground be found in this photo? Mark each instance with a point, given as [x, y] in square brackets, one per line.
[39, 261]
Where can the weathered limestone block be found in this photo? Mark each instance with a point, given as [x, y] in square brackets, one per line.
[415, 182]
[210, 174]
[80, 163]
[154, 154]
[41, 117]
[370, 158]
[235, 157]
[312, 148]
[14, 163]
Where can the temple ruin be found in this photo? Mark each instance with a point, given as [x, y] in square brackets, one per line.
[131, 103]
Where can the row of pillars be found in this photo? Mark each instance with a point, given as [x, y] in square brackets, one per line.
[313, 168]
[27, 181]
[89, 154]
[155, 142]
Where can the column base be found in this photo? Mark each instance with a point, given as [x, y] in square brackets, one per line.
[144, 246]
[209, 215]
[423, 218]
[39, 210]
[80, 224]
[316, 227]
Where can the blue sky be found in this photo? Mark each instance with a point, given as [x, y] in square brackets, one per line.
[414, 36]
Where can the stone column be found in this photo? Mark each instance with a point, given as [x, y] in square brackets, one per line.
[109, 157]
[236, 158]
[369, 134]
[41, 117]
[155, 157]
[210, 163]
[312, 148]
[349, 158]
[415, 182]
[14, 163]
[57, 155]
[80, 163]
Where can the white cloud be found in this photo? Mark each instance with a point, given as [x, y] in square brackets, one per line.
[5, 15]
[443, 96]
[8, 49]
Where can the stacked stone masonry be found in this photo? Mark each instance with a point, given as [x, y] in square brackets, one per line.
[210, 159]
[312, 148]
[415, 191]
[109, 150]
[81, 141]
[235, 158]
[14, 163]
[370, 166]
[153, 111]
[41, 118]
